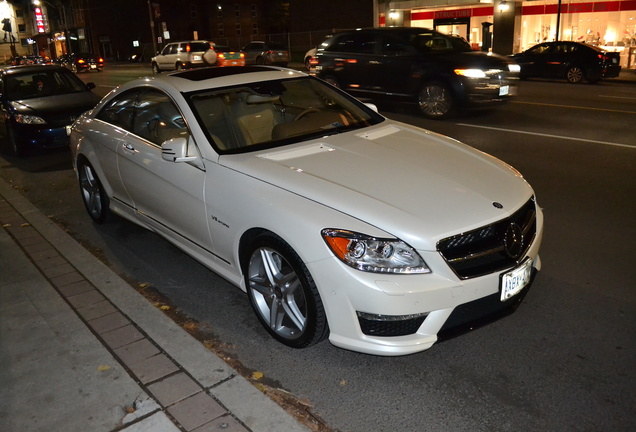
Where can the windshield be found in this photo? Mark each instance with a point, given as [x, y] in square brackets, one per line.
[41, 83]
[275, 113]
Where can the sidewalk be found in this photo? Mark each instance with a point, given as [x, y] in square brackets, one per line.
[81, 350]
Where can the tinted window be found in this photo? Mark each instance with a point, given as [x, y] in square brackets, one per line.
[354, 43]
[120, 110]
[199, 46]
[539, 49]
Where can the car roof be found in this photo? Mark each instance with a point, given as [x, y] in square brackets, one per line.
[10, 70]
[203, 78]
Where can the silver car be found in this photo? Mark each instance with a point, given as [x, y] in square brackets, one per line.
[266, 53]
[184, 55]
[337, 222]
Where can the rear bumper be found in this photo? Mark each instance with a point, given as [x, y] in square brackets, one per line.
[611, 71]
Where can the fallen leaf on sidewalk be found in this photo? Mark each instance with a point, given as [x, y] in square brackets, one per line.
[165, 307]
[144, 285]
[25, 225]
[257, 375]
[103, 368]
[6, 225]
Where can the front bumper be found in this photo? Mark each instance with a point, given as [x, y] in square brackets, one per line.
[40, 136]
[432, 306]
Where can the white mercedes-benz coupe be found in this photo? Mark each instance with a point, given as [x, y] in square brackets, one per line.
[336, 221]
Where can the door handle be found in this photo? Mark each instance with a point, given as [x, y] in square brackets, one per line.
[375, 62]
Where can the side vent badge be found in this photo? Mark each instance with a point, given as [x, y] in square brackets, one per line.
[497, 205]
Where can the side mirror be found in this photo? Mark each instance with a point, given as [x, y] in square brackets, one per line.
[90, 85]
[372, 106]
[176, 150]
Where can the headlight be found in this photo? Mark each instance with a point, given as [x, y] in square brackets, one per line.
[471, 73]
[514, 68]
[29, 119]
[372, 254]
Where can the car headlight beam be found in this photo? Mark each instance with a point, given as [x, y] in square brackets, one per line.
[377, 255]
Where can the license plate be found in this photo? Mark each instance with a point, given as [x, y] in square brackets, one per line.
[93, 66]
[516, 279]
[504, 90]
[614, 60]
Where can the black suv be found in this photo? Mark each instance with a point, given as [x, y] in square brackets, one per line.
[440, 72]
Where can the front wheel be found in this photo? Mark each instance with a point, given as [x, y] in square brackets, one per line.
[260, 61]
[574, 74]
[93, 194]
[13, 146]
[283, 293]
[435, 100]
[155, 69]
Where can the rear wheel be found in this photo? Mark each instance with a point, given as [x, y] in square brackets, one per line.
[574, 74]
[435, 100]
[283, 293]
[93, 194]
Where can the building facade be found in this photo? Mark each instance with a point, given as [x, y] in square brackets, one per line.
[506, 26]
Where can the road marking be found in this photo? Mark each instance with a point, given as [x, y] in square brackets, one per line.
[548, 135]
[574, 107]
[617, 97]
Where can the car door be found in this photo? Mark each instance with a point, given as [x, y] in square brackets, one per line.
[113, 124]
[534, 61]
[167, 195]
[557, 59]
[166, 59]
[357, 62]
[398, 63]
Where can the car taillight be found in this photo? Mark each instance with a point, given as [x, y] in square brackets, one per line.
[188, 48]
[80, 61]
[313, 61]
[221, 55]
[242, 55]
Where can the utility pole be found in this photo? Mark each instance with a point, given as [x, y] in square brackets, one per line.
[152, 29]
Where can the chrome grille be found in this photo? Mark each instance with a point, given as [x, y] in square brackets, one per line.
[491, 248]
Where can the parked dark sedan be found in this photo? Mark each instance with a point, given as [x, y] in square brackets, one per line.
[38, 102]
[439, 72]
[81, 62]
[573, 61]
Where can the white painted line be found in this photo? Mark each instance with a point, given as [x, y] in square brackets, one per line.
[617, 97]
[548, 135]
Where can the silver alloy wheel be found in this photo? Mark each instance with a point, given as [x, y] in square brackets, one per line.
[93, 194]
[435, 100]
[277, 294]
[574, 74]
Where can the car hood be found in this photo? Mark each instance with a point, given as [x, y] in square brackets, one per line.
[73, 103]
[413, 184]
[478, 59]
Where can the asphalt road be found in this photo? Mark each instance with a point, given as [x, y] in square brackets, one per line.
[564, 361]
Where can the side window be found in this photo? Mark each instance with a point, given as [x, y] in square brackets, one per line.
[166, 49]
[394, 46]
[364, 43]
[157, 118]
[120, 110]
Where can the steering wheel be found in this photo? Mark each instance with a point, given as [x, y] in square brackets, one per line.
[307, 111]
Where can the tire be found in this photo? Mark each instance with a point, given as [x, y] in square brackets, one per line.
[155, 69]
[283, 293]
[93, 195]
[435, 100]
[178, 67]
[307, 64]
[13, 146]
[260, 61]
[574, 74]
